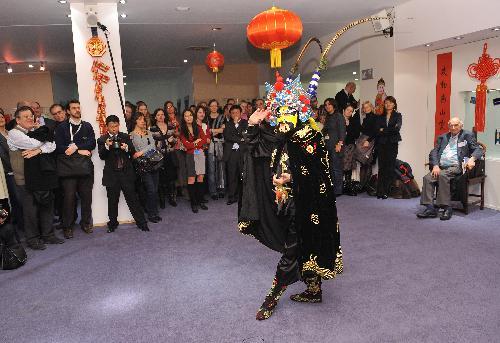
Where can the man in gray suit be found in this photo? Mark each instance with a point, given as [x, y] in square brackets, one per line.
[454, 151]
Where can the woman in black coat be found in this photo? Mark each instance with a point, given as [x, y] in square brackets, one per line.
[388, 137]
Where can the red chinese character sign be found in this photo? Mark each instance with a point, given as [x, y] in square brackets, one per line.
[485, 68]
[443, 93]
[96, 48]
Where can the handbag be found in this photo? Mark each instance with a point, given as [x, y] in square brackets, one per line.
[12, 257]
[361, 153]
[74, 165]
[150, 161]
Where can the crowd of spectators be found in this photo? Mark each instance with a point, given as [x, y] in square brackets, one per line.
[156, 157]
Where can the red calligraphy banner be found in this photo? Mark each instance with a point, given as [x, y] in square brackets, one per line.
[443, 93]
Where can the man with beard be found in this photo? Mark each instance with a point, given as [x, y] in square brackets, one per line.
[305, 200]
[76, 136]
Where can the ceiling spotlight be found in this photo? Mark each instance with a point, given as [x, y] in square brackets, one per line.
[428, 44]
[216, 28]
[124, 76]
[68, 15]
[356, 79]
[123, 15]
[182, 8]
[31, 66]
[123, 2]
[62, 1]
[42, 66]
[354, 73]
[9, 68]
[124, 83]
[185, 61]
[459, 38]
[496, 29]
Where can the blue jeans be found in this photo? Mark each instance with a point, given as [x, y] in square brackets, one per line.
[215, 174]
[150, 182]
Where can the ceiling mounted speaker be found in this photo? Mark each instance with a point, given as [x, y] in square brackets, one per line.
[91, 20]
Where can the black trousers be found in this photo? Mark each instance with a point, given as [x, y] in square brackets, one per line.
[83, 186]
[234, 175]
[288, 271]
[37, 218]
[124, 184]
[387, 154]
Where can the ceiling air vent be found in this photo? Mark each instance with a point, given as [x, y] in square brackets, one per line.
[197, 48]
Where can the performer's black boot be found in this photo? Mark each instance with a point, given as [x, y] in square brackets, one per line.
[172, 194]
[199, 194]
[271, 301]
[313, 292]
[192, 197]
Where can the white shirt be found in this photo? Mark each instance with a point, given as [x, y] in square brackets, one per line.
[19, 140]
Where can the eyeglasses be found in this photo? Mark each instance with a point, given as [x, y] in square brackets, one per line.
[454, 125]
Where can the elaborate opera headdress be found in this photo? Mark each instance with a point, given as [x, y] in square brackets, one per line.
[288, 99]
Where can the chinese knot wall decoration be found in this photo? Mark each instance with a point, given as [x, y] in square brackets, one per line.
[485, 68]
[443, 93]
[96, 48]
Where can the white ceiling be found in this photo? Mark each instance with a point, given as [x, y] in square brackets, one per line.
[155, 35]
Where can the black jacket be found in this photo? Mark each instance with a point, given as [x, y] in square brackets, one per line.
[388, 133]
[369, 127]
[342, 100]
[234, 135]
[353, 129]
[112, 161]
[40, 171]
[84, 139]
[467, 147]
[334, 130]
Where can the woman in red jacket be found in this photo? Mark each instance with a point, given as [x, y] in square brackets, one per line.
[193, 138]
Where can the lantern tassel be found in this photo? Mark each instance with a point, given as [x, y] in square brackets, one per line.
[275, 58]
[481, 90]
[216, 77]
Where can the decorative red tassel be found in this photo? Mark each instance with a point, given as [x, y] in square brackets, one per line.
[480, 122]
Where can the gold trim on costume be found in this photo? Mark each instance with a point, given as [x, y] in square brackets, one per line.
[312, 266]
[315, 218]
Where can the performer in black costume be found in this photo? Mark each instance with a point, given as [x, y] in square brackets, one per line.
[301, 220]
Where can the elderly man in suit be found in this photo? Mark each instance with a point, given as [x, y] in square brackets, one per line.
[345, 97]
[454, 151]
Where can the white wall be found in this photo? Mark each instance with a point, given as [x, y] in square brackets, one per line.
[411, 92]
[424, 21]
[376, 52]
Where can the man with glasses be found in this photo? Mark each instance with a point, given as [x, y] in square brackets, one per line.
[58, 113]
[454, 151]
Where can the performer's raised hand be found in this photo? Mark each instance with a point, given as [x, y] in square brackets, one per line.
[283, 179]
[258, 116]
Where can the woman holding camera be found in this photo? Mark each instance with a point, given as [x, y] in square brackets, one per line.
[144, 143]
[193, 138]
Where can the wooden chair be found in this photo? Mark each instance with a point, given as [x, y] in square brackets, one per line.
[461, 185]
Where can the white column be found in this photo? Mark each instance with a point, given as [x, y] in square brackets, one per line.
[107, 14]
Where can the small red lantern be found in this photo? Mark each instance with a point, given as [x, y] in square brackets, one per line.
[215, 61]
[273, 30]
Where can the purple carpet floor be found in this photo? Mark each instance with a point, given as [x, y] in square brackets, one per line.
[194, 278]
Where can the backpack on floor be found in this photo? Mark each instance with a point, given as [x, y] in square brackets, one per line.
[12, 254]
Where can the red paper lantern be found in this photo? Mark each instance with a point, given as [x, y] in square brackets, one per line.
[273, 30]
[215, 61]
